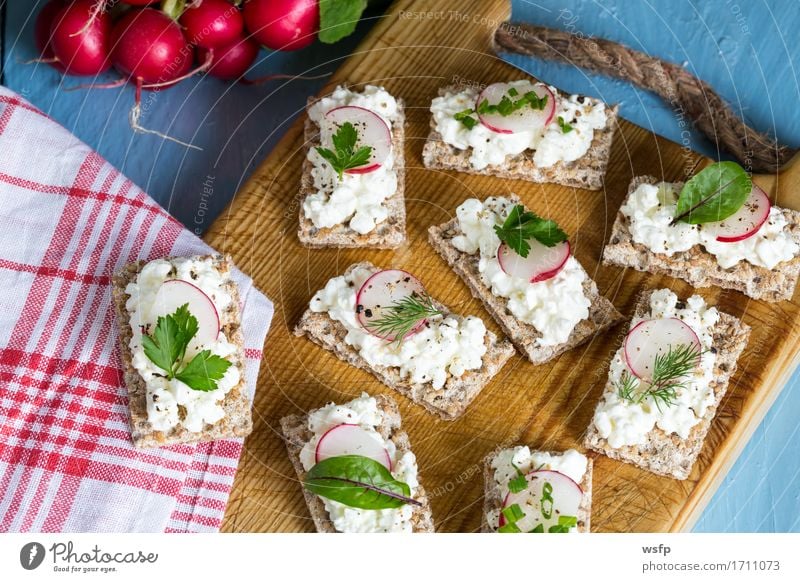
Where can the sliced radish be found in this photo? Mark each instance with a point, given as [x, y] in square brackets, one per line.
[655, 337]
[372, 131]
[525, 119]
[381, 290]
[176, 292]
[566, 495]
[541, 264]
[351, 439]
[745, 222]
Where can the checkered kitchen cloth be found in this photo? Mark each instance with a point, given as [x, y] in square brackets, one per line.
[68, 220]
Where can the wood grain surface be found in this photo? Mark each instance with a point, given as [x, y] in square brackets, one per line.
[547, 407]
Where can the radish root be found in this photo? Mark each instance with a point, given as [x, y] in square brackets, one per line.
[99, 7]
[136, 113]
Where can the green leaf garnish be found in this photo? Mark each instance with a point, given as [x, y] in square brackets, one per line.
[466, 118]
[518, 483]
[346, 155]
[513, 513]
[565, 127]
[523, 225]
[338, 18]
[565, 523]
[538, 529]
[166, 348]
[402, 316]
[670, 371]
[713, 194]
[204, 371]
[509, 528]
[358, 482]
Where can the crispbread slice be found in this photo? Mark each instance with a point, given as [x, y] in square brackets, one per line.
[389, 234]
[296, 434]
[449, 402]
[700, 268]
[493, 495]
[668, 454]
[237, 421]
[586, 172]
[602, 313]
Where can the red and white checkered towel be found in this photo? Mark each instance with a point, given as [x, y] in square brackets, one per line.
[68, 220]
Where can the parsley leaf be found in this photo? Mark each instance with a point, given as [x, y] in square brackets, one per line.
[166, 348]
[523, 225]
[338, 18]
[203, 371]
[565, 127]
[346, 155]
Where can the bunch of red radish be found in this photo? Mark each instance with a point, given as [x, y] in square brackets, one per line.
[156, 46]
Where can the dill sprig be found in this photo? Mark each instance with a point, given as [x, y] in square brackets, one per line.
[670, 372]
[403, 315]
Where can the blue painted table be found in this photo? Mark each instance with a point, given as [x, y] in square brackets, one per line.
[744, 49]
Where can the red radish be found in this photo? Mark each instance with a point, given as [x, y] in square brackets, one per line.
[381, 290]
[745, 222]
[525, 119]
[139, 2]
[541, 264]
[44, 23]
[566, 499]
[212, 23]
[285, 25]
[81, 40]
[174, 293]
[351, 439]
[372, 131]
[655, 337]
[150, 46]
[232, 61]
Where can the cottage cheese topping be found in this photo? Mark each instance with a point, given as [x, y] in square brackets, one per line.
[508, 462]
[550, 144]
[625, 423]
[358, 199]
[554, 307]
[447, 346]
[364, 412]
[167, 398]
[650, 209]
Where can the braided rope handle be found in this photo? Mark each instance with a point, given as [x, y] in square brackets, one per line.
[684, 92]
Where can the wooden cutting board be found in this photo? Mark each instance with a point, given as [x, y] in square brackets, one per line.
[547, 407]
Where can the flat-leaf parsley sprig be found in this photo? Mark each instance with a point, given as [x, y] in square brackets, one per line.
[166, 348]
[523, 225]
[505, 107]
[345, 155]
[670, 373]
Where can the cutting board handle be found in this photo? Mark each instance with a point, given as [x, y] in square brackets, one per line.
[681, 90]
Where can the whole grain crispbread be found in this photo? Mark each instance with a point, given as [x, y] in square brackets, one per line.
[493, 495]
[586, 172]
[602, 313]
[700, 268]
[296, 434]
[449, 402]
[237, 421]
[668, 454]
[389, 234]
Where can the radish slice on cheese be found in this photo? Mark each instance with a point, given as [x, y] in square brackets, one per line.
[535, 503]
[655, 337]
[351, 439]
[372, 131]
[541, 264]
[745, 222]
[174, 293]
[382, 289]
[524, 119]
